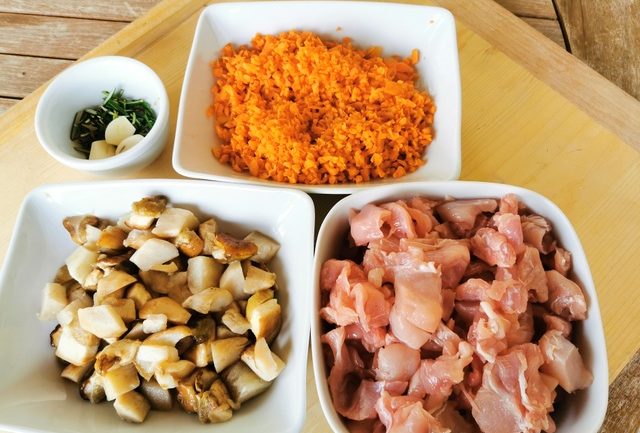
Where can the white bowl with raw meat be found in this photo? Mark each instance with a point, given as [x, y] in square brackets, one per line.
[578, 412]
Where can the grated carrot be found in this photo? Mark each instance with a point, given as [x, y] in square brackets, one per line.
[296, 108]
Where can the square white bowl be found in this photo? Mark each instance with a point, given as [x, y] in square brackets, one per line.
[33, 398]
[579, 413]
[398, 28]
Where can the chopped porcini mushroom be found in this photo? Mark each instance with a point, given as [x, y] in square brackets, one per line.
[242, 383]
[215, 405]
[138, 294]
[173, 220]
[77, 227]
[203, 273]
[223, 332]
[91, 281]
[154, 323]
[150, 355]
[256, 299]
[199, 354]
[54, 299]
[189, 243]
[170, 336]
[111, 239]
[207, 231]
[236, 322]
[150, 206]
[76, 346]
[169, 373]
[132, 407]
[75, 373]
[116, 354]
[266, 364]
[103, 321]
[80, 263]
[54, 336]
[167, 306]
[137, 221]
[91, 389]
[188, 388]
[267, 247]
[120, 380]
[136, 238]
[265, 319]
[227, 351]
[125, 308]
[113, 282]
[165, 267]
[158, 397]
[106, 262]
[75, 291]
[232, 279]
[227, 249]
[215, 299]
[153, 252]
[157, 281]
[70, 313]
[62, 275]
[136, 332]
[257, 279]
[93, 234]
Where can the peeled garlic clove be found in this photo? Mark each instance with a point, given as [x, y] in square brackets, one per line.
[101, 149]
[118, 129]
[128, 143]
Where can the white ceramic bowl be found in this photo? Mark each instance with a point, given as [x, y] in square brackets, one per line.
[580, 413]
[397, 28]
[33, 398]
[80, 86]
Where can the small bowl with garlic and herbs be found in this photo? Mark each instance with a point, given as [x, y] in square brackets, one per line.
[106, 115]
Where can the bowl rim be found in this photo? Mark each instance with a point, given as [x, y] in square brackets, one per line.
[391, 192]
[148, 142]
[346, 188]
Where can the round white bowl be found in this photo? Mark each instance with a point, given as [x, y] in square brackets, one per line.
[80, 87]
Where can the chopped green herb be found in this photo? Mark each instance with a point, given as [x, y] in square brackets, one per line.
[89, 124]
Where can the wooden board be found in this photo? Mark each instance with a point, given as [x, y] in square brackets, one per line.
[528, 111]
[21, 75]
[96, 9]
[530, 8]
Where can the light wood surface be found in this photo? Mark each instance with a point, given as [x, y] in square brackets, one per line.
[528, 119]
[21, 75]
[127, 10]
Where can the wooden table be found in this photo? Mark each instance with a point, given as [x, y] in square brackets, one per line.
[533, 116]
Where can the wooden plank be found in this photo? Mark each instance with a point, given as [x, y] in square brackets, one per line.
[623, 412]
[549, 28]
[64, 38]
[95, 9]
[530, 8]
[606, 36]
[6, 103]
[21, 75]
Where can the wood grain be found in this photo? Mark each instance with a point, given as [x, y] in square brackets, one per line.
[549, 28]
[64, 38]
[530, 8]
[623, 413]
[127, 10]
[606, 36]
[21, 75]
[6, 103]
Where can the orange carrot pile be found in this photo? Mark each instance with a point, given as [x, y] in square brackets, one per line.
[295, 108]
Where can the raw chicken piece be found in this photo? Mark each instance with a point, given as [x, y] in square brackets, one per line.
[448, 303]
[509, 295]
[342, 384]
[406, 415]
[523, 331]
[509, 225]
[405, 331]
[400, 221]
[382, 255]
[366, 225]
[537, 232]
[551, 321]
[562, 261]
[396, 362]
[466, 311]
[370, 304]
[563, 362]
[493, 248]
[332, 271]
[463, 213]
[513, 397]
[422, 215]
[418, 297]
[509, 204]
[474, 289]
[488, 332]
[449, 417]
[371, 340]
[453, 258]
[366, 426]
[529, 270]
[565, 297]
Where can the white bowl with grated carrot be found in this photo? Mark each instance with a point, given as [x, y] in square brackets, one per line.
[327, 97]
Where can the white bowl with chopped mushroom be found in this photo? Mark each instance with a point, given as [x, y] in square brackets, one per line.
[467, 306]
[106, 115]
[152, 298]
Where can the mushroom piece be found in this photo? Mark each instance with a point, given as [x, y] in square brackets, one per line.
[103, 321]
[227, 249]
[214, 299]
[77, 346]
[80, 263]
[90, 283]
[54, 336]
[236, 322]
[139, 294]
[150, 206]
[111, 239]
[205, 330]
[108, 262]
[136, 332]
[258, 279]
[153, 252]
[199, 354]
[223, 332]
[91, 389]
[265, 319]
[189, 243]
[62, 275]
[158, 397]
[120, 380]
[167, 306]
[267, 247]
[170, 336]
[113, 282]
[227, 351]
[165, 267]
[164, 283]
[242, 383]
[77, 227]
[54, 299]
[150, 355]
[207, 231]
[174, 220]
[136, 238]
[169, 373]
[75, 373]
[70, 313]
[266, 364]
[125, 308]
[188, 388]
[116, 354]
[232, 279]
[202, 273]
[132, 407]
[215, 405]
[154, 323]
